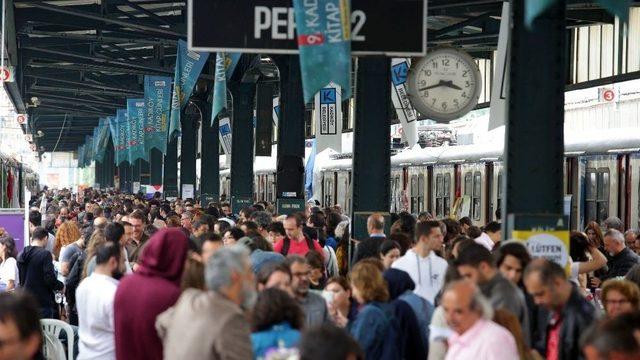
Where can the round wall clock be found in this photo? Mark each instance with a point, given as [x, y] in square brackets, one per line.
[444, 85]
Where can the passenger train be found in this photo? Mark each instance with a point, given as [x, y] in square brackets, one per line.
[601, 179]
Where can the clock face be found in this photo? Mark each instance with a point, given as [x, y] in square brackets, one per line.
[445, 85]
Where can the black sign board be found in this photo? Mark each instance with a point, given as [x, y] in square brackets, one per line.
[378, 27]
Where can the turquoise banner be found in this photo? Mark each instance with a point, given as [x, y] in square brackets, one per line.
[121, 125]
[189, 64]
[113, 129]
[225, 65]
[88, 150]
[533, 9]
[100, 145]
[324, 41]
[81, 156]
[157, 96]
[136, 113]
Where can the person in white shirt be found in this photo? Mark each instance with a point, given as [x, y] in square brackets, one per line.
[426, 269]
[9, 275]
[94, 300]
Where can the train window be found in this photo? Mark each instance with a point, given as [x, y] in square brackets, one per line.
[420, 193]
[477, 193]
[467, 183]
[596, 194]
[439, 196]
[414, 194]
[397, 194]
[447, 194]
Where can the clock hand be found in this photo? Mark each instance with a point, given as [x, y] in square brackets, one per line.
[440, 83]
[451, 85]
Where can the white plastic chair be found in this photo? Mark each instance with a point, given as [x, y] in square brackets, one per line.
[52, 347]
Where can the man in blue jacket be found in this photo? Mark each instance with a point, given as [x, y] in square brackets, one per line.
[38, 276]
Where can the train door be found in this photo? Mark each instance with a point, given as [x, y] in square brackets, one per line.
[472, 204]
[600, 188]
[328, 190]
[396, 190]
[443, 189]
[343, 191]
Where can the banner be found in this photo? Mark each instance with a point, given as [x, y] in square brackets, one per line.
[276, 111]
[100, 146]
[500, 86]
[405, 111]
[189, 64]
[533, 8]
[137, 115]
[113, 129]
[225, 135]
[88, 149]
[157, 96]
[81, 156]
[123, 148]
[328, 116]
[225, 65]
[324, 41]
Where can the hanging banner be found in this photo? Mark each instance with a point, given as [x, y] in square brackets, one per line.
[137, 116]
[500, 86]
[225, 65]
[324, 42]
[113, 129]
[88, 149]
[123, 148]
[405, 111]
[225, 135]
[189, 64]
[157, 96]
[100, 146]
[328, 116]
[276, 111]
[81, 156]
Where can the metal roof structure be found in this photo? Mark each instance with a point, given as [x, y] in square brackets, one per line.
[78, 60]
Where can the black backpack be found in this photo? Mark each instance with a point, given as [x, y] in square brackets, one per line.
[287, 244]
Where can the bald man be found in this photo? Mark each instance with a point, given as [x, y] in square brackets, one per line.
[371, 247]
[475, 336]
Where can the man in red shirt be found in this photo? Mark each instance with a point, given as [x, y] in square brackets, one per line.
[570, 313]
[295, 242]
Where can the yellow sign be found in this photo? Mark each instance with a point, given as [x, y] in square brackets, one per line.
[551, 245]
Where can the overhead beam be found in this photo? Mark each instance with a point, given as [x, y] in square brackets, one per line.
[460, 25]
[98, 38]
[84, 84]
[79, 101]
[104, 19]
[148, 13]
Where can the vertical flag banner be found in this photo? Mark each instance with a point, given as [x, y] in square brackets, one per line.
[308, 171]
[88, 148]
[81, 156]
[189, 64]
[276, 111]
[405, 111]
[103, 140]
[157, 96]
[500, 85]
[225, 65]
[328, 115]
[137, 115]
[123, 154]
[324, 41]
[533, 8]
[113, 129]
[225, 135]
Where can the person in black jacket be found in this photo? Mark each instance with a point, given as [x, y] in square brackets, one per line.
[621, 260]
[371, 246]
[37, 274]
[570, 313]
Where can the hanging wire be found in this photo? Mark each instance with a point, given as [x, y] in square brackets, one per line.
[59, 136]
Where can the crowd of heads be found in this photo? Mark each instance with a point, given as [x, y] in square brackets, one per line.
[307, 271]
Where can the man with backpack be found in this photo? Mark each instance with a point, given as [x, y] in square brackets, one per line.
[295, 242]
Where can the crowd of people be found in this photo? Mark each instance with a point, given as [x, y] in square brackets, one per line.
[142, 278]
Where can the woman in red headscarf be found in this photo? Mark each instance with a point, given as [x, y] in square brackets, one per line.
[152, 289]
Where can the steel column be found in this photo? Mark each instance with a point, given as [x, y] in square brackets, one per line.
[209, 160]
[188, 144]
[242, 145]
[170, 171]
[155, 167]
[144, 172]
[534, 139]
[370, 184]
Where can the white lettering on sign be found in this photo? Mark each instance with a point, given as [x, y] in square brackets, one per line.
[279, 23]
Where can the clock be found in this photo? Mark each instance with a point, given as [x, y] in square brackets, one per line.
[444, 85]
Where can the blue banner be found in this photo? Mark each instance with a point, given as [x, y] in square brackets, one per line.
[100, 145]
[189, 64]
[308, 172]
[157, 96]
[225, 65]
[137, 114]
[324, 41]
[113, 129]
[88, 150]
[81, 156]
[121, 126]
